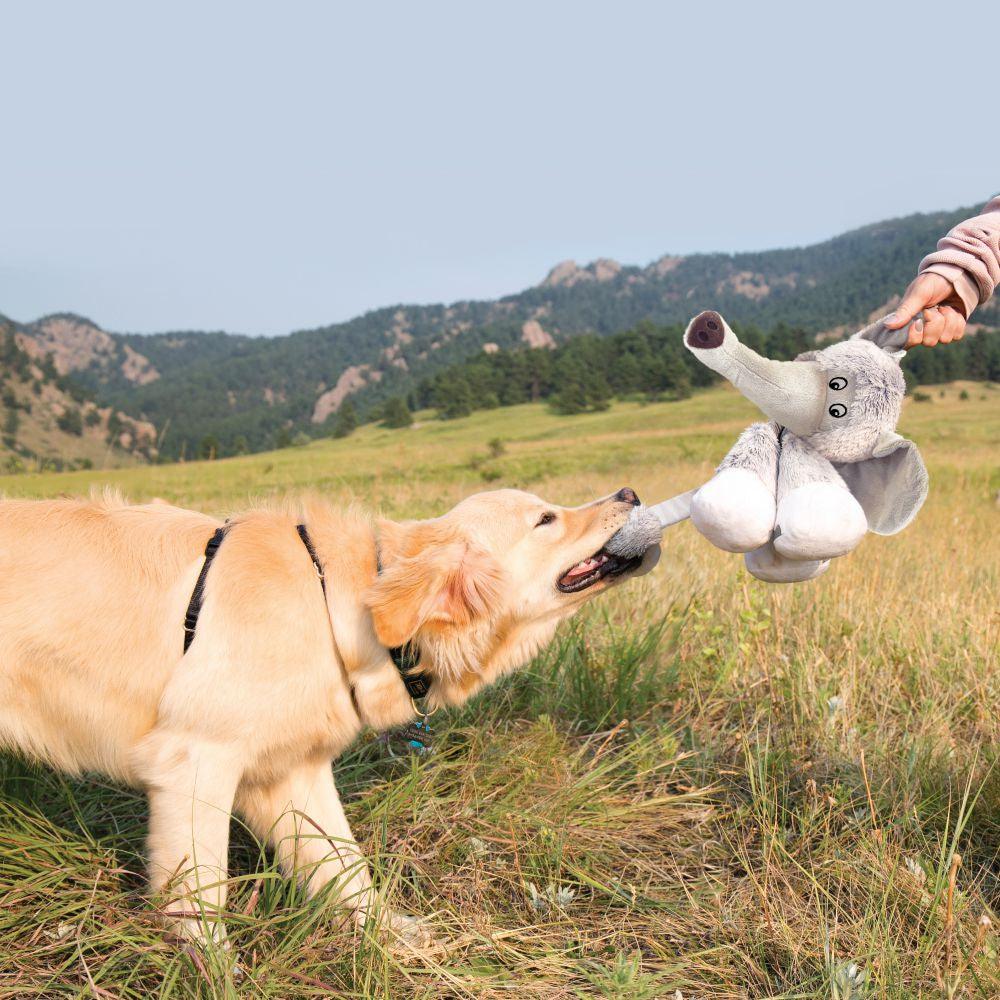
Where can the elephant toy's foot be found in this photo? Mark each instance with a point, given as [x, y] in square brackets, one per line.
[818, 521]
[734, 510]
[770, 566]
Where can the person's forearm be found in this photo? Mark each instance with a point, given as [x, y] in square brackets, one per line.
[969, 257]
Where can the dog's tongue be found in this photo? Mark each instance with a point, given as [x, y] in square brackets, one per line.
[584, 567]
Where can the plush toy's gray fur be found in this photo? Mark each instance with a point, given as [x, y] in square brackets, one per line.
[641, 532]
[756, 449]
[803, 488]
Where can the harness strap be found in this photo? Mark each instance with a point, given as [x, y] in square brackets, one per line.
[406, 658]
[198, 594]
[307, 542]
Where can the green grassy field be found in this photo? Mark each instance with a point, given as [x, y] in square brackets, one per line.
[707, 787]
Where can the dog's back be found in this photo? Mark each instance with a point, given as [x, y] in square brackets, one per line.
[89, 591]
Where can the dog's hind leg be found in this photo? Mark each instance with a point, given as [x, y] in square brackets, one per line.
[302, 818]
[191, 786]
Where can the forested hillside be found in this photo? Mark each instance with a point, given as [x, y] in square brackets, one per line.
[650, 362]
[218, 393]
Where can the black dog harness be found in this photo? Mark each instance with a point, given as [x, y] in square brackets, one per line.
[406, 657]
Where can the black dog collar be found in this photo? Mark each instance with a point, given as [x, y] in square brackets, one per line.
[406, 657]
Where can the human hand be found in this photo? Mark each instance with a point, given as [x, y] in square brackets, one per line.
[944, 313]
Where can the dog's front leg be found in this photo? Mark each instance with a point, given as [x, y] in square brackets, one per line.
[191, 785]
[301, 816]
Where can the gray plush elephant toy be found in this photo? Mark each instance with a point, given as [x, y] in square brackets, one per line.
[803, 488]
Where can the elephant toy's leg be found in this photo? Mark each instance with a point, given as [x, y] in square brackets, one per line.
[735, 509]
[767, 564]
[817, 516]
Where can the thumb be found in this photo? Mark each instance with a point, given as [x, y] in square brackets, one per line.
[916, 298]
[905, 312]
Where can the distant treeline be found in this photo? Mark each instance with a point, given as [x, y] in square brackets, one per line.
[648, 361]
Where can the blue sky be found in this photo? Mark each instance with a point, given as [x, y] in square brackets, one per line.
[267, 167]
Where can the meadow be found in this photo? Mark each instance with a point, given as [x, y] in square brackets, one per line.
[707, 787]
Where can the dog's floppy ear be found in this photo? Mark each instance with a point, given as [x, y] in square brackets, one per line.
[431, 578]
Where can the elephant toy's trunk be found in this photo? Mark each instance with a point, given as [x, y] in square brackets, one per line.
[791, 392]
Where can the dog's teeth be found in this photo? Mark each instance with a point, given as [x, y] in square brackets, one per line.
[584, 566]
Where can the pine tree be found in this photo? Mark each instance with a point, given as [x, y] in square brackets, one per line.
[455, 398]
[396, 413]
[346, 420]
[209, 447]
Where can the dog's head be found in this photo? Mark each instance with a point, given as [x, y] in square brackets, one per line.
[482, 587]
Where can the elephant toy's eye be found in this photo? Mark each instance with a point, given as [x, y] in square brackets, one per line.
[838, 383]
[838, 410]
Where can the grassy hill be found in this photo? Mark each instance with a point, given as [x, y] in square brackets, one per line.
[252, 393]
[746, 788]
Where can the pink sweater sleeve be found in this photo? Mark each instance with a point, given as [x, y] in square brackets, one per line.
[969, 257]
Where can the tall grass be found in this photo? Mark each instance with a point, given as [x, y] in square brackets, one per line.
[704, 785]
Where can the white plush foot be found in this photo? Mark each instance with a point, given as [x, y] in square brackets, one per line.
[768, 565]
[818, 521]
[734, 510]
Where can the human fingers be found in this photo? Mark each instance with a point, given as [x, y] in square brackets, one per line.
[916, 333]
[954, 325]
[933, 327]
[925, 290]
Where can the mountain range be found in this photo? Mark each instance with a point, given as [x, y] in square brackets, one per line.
[249, 393]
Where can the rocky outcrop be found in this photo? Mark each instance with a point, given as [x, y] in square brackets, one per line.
[137, 368]
[77, 344]
[569, 273]
[351, 379]
[534, 336]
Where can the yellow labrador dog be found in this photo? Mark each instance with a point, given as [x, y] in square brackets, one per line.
[229, 683]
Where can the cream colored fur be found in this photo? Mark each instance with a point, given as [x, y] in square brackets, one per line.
[276, 684]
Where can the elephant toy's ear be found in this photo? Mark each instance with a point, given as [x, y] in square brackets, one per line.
[893, 342]
[891, 486]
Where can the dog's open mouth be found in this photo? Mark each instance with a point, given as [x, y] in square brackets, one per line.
[596, 567]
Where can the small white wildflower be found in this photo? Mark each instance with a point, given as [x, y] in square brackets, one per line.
[477, 848]
[61, 932]
[542, 902]
[834, 705]
[564, 897]
[914, 867]
[848, 982]
[539, 902]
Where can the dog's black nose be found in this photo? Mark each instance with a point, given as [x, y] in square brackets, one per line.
[628, 495]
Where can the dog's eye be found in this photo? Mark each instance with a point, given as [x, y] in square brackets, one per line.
[547, 518]
[838, 410]
[838, 383]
